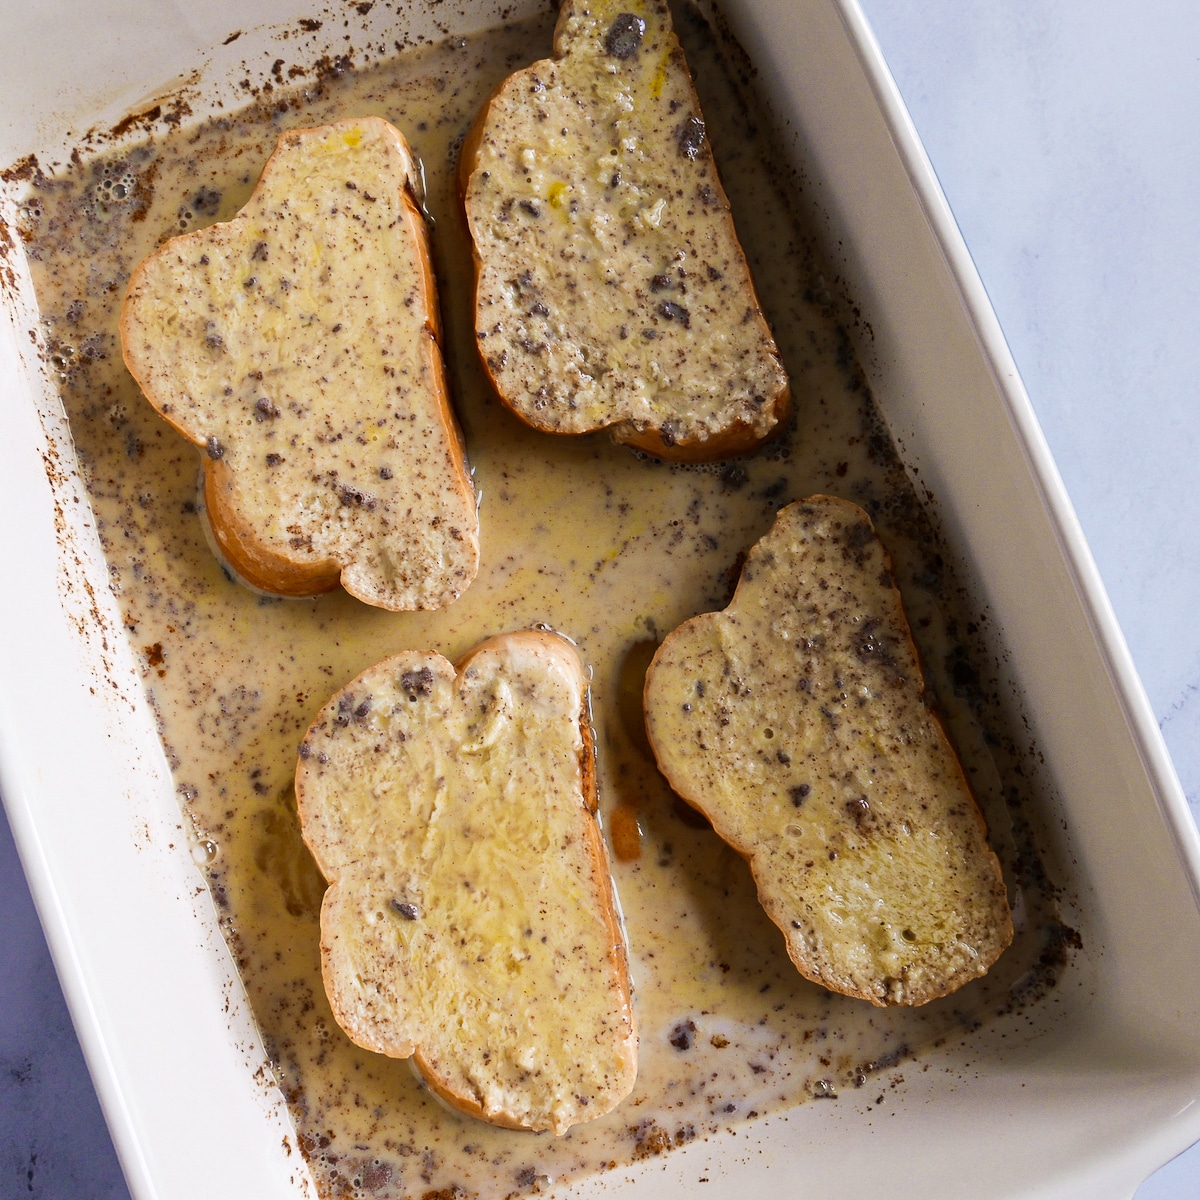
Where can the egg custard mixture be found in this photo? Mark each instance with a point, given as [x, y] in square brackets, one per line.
[609, 547]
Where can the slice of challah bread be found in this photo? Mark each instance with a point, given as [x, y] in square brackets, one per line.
[470, 920]
[297, 344]
[611, 291]
[796, 721]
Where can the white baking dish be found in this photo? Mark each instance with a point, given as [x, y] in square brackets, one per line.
[1096, 1087]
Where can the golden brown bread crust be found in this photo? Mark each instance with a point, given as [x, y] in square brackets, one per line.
[308, 564]
[672, 435]
[738, 437]
[795, 721]
[251, 558]
[526, 674]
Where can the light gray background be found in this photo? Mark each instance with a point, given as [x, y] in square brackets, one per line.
[1066, 134]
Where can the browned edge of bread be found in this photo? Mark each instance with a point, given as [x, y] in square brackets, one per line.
[245, 554]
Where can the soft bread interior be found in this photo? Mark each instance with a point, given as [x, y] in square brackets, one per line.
[796, 721]
[611, 288]
[297, 346]
[469, 920]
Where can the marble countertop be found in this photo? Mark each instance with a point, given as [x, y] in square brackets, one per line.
[1064, 135]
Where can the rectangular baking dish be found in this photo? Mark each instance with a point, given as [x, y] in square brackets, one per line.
[1088, 1093]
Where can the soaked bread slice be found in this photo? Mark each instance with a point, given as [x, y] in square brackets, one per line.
[796, 721]
[611, 291]
[297, 345]
[470, 919]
